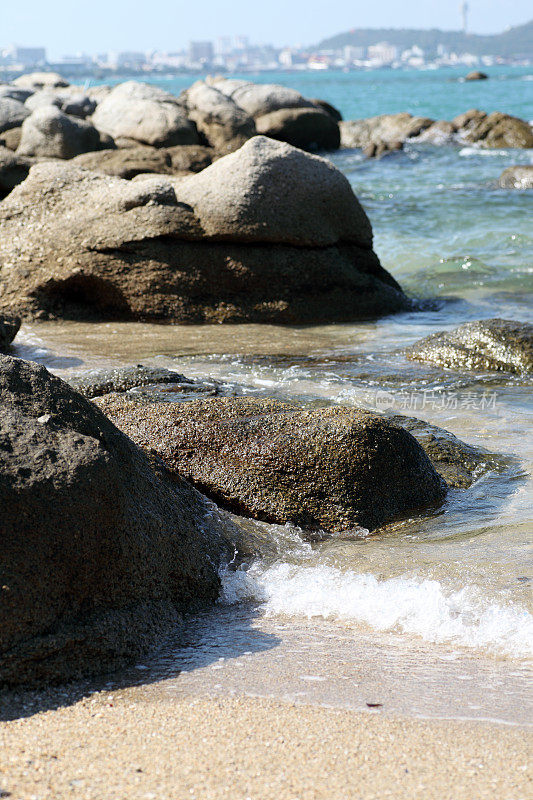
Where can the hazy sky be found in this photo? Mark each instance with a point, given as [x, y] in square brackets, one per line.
[69, 26]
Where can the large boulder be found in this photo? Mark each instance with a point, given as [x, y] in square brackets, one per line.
[12, 113]
[322, 469]
[144, 113]
[9, 327]
[258, 99]
[267, 234]
[40, 80]
[494, 130]
[387, 128]
[13, 170]
[71, 101]
[517, 177]
[8, 90]
[491, 344]
[49, 133]
[127, 162]
[101, 547]
[222, 123]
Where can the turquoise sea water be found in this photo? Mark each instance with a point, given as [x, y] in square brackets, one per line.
[460, 581]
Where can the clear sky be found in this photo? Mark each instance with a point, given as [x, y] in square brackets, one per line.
[70, 26]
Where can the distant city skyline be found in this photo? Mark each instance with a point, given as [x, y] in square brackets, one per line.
[67, 27]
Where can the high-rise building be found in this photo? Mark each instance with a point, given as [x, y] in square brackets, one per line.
[201, 52]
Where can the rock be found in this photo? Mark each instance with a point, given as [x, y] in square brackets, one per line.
[328, 108]
[267, 234]
[120, 379]
[186, 158]
[9, 327]
[21, 95]
[13, 170]
[49, 133]
[517, 177]
[144, 113]
[74, 103]
[126, 163]
[101, 547]
[307, 128]
[385, 128]
[470, 117]
[222, 123]
[490, 344]
[11, 138]
[380, 149]
[328, 469]
[258, 99]
[441, 132]
[12, 113]
[40, 80]
[495, 130]
[476, 76]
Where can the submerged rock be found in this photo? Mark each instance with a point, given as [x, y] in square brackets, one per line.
[121, 379]
[322, 469]
[144, 113]
[517, 177]
[49, 133]
[476, 75]
[101, 547]
[267, 234]
[380, 149]
[494, 130]
[490, 344]
[9, 327]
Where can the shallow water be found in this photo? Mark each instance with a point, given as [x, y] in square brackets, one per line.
[450, 589]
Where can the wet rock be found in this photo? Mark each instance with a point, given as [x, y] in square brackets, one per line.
[120, 379]
[144, 113]
[490, 344]
[13, 170]
[494, 130]
[385, 128]
[12, 113]
[307, 128]
[476, 76]
[49, 133]
[101, 547]
[517, 177]
[268, 234]
[380, 149]
[11, 138]
[40, 80]
[9, 327]
[323, 469]
[441, 132]
[222, 123]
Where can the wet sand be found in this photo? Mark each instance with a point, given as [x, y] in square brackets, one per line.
[134, 744]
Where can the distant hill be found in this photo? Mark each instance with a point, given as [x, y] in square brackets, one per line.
[513, 43]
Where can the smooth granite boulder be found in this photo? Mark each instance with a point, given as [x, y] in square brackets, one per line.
[386, 128]
[267, 234]
[9, 327]
[12, 113]
[328, 469]
[13, 170]
[222, 123]
[144, 113]
[490, 344]
[101, 547]
[520, 177]
[49, 133]
[40, 80]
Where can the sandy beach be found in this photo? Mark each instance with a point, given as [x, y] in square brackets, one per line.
[131, 745]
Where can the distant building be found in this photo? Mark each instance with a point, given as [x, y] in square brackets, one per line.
[382, 53]
[201, 52]
[24, 56]
[353, 53]
[126, 60]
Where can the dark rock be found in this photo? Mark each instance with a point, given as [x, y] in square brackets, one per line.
[380, 149]
[101, 547]
[517, 177]
[9, 327]
[121, 379]
[476, 76]
[13, 170]
[307, 128]
[328, 108]
[490, 344]
[323, 469]
[267, 234]
[128, 162]
[50, 133]
[71, 101]
[190, 158]
[144, 113]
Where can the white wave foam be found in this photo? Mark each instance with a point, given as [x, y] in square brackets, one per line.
[416, 606]
[479, 151]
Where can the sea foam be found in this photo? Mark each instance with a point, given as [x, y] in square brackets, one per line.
[404, 604]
